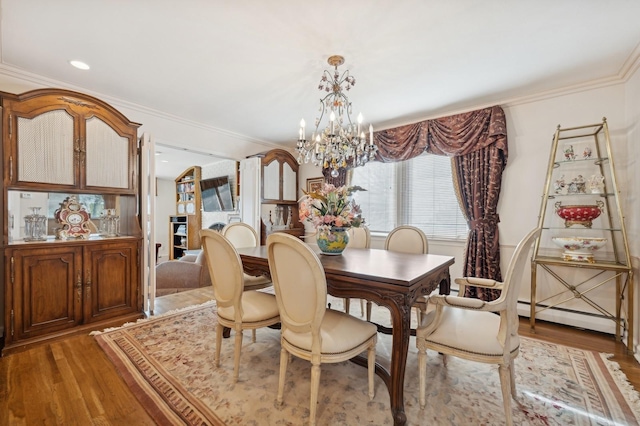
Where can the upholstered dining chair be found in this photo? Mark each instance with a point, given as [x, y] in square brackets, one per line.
[470, 329]
[359, 237]
[242, 235]
[409, 239]
[237, 309]
[309, 330]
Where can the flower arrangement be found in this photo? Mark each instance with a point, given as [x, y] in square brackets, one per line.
[331, 206]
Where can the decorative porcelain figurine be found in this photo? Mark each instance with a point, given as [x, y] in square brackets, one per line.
[569, 154]
[596, 184]
[586, 153]
[559, 185]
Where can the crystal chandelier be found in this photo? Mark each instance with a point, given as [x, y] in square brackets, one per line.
[341, 143]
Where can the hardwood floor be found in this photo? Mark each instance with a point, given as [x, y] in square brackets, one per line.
[71, 381]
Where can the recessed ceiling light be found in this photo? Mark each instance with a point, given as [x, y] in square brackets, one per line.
[80, 65]
[164, 161]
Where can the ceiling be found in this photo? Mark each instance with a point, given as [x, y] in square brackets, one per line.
[250, 69]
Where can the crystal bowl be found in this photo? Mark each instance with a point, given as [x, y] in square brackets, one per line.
[579, 214]
[579, 248]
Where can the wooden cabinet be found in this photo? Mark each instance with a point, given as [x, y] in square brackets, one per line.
[61, 140]
[55, 289]
[279, 195]
[184, 228]
[58, 143]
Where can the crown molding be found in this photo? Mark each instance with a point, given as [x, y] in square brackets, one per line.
[43, 82]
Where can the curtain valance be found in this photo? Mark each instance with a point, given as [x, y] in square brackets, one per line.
[451, 136]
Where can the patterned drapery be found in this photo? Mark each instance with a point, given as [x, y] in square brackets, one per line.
[477, 141]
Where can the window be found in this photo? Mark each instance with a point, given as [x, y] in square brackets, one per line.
[416, 192]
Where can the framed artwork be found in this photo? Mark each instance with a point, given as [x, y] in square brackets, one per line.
[315, 184]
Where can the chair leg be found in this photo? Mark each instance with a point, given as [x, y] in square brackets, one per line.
[236, 355]
[505, 379]
[512, 379]
[368, 310]
[253, 335]
[347, 305]
[371, 366]
[422, 371]
[362, 308]
[315, 385]
[284, 360]
[219, 329]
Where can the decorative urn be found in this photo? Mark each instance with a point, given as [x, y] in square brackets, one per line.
[579, 214]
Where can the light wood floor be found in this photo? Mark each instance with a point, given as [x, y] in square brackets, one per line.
[71, 381]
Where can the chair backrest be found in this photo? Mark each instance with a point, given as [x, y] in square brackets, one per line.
[512, 281]
[225, 269]
[359, 237]
[407, 239]
[300, 284]
[240, 234]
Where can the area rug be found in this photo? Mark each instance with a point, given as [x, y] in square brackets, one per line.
[167, 361]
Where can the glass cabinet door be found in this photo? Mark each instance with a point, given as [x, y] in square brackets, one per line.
[271, 183]
[46, 148]
[289, 182]
[107, 156]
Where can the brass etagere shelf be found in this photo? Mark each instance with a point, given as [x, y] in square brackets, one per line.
[592, 218]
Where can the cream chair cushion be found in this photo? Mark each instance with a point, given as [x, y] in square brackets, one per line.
[338, 334]
[256, 307]
[481, 339]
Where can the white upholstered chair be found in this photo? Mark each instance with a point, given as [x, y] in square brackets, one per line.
[242, 235]
[237, 309]
[359, 237]
[409, 239]
[470, 329]
[309, 330]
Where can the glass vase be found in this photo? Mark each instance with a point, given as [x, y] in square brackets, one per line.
[332, 241]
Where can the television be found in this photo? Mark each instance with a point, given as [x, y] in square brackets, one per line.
[216, 194]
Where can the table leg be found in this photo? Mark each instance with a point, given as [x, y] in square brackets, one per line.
[401, 319]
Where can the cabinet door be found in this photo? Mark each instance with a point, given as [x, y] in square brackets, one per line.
[289, 183]
[43, 146]
[107, 156]
[111, 281]
[46, 290]
[271, 181]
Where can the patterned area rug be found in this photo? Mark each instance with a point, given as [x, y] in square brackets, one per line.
[168, 363]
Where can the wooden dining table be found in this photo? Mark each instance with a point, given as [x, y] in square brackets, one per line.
[390, 279]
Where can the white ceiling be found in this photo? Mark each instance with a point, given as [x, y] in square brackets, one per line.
[250, 68]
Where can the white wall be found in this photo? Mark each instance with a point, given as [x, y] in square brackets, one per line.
[165, 207]
[631, 162]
